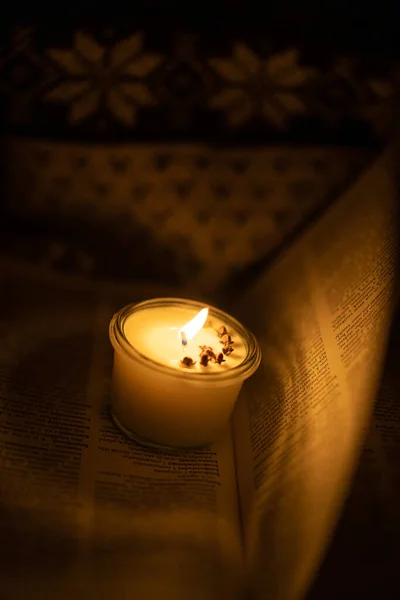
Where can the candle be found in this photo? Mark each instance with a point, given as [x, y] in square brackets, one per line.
[178, 369]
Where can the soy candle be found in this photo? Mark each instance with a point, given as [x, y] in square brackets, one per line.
[178, 369]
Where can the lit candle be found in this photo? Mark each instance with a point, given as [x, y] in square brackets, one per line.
[178, 369]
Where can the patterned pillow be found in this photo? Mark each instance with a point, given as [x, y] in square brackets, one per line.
[177, 156]
[182, 214]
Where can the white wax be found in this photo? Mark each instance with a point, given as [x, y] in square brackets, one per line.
[155, 334]
[156, 405]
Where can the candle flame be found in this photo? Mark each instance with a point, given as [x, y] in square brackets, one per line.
[188, 331]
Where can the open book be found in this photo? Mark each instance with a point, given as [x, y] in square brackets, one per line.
[86, 513]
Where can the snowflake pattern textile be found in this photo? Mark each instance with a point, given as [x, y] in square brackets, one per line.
[92, 117]
[93, 80]
[270, 89]
[104, 85]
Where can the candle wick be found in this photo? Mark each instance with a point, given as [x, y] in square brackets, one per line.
[183, 339]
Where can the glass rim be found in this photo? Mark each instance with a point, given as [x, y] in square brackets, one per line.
[240, 372]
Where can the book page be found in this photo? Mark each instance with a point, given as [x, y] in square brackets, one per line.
[384, 441]
[86, 512]
[365, 551]
[321, 316]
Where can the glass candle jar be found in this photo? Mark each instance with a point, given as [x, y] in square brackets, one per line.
[165, 393]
